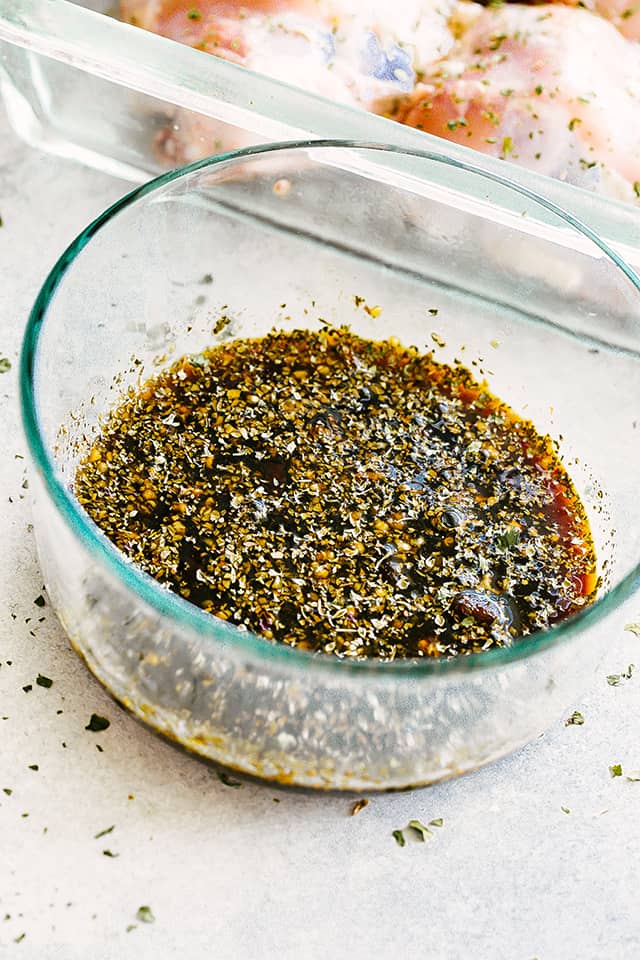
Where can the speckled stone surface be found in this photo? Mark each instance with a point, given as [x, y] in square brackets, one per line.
[229, 873]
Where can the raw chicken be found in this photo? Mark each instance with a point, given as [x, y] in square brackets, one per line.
[346, 50]
[349, 51]
[623, 14]
[549, 87]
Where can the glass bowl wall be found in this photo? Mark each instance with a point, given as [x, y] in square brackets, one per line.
[298, 236]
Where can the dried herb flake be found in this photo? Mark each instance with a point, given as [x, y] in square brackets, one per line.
[423, 832]
[104, 832]
[228, 781]
[97, 723]
[576, 719]
[510, 538]
[145, 915]
[616, 770]
[43, 681]
[398, 836]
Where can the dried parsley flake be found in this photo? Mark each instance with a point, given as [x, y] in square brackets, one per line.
[103, 833]
[97, 723]
[576, 719]
[43, 681]
[616, 770]
[615, 679]
[423, 832]
[228, 781]
[398, 836]
[145, 915]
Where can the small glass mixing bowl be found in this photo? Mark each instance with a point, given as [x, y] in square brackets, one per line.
[296, 235]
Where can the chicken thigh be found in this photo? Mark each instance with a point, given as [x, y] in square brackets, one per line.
[349, 51]
[552, 88]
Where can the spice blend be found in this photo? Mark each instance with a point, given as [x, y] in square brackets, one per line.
[342, 495]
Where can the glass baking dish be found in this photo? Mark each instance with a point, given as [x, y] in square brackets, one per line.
[79, 83]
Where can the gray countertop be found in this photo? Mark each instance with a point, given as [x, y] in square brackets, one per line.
[230, 872]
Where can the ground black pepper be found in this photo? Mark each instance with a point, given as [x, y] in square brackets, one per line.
[342, 495]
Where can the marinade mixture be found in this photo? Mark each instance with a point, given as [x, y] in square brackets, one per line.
[342, 495]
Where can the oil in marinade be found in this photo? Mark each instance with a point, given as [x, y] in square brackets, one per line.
[342, 495]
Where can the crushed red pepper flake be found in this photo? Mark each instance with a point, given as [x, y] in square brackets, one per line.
[342, 495]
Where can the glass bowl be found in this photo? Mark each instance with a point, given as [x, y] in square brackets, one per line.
[295, 235]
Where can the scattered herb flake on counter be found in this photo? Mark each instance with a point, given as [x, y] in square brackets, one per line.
[43, 681]
[565, 809]
[615, 679]
[398, 836]
[103, 833]
[5, 364]
[358, 806]
[40, 601]
[342, 495]
[97, 723]
[108, 853]
[145, 915]
[228, 781]
[438, 822]
[7, 790]
[423, 832]
[575, 720]
[616, 770]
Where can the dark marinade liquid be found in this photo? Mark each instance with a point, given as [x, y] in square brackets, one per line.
[342, 495]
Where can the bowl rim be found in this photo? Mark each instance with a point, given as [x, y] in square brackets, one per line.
[178, 609]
